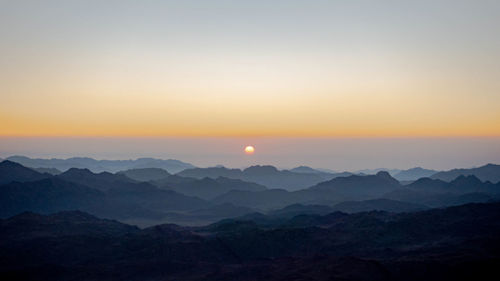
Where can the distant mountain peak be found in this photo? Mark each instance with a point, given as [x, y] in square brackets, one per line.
[145, 174]
[414, 169]
[384, 174]
[261, 169]
[78, 171]
[171, 165]
[426, 181]
[489, 172]
[8, 163]
[469, 180]
[303, 169]
[12, 171]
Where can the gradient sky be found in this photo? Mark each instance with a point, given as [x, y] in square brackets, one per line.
[249, 69]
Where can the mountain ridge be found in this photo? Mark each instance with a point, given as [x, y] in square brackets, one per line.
[171, 165]
[489, 172]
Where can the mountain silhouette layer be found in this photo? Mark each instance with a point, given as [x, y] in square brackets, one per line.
[430, 245]
[171, 165]
[489, 172]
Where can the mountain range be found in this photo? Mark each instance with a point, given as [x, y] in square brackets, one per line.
[414, 174]
[489, 172]
[171, 165]
[452, 243]
[148, 196]
[336, 190]
[265, 175]
[145, 174]
[207, 188]
[105, 194]
[230, 224]
[11, 171]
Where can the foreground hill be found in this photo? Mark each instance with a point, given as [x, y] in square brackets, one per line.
[489, 172]
[440, 244]
[68, 223]
[171, 165]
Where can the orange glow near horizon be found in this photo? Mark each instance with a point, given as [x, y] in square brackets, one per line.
[376, 102]
[305, 118]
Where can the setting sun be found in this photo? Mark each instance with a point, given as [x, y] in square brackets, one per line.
[249, 149]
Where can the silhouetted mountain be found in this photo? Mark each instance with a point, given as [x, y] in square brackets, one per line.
[429, 185]
[125, 202]
[489, 172]
[438, 193]
[145, 174]
[305, 169]
[389, 230]
[102, 181]
[357, 227]
[378, 205]
[326, 193]
[11, 171]
[123, 198]
[326, 175]
[208, 188]
[391, 172]
[172, 166]
[414, 174]
[457, 243]
[358, 187]
[104, 194]
[211, 172]
[462, 184]
[264, 175]
[46, 196]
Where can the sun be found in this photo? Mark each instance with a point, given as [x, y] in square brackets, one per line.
[249, 149]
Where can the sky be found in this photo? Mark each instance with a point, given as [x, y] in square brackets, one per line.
[250, 71]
